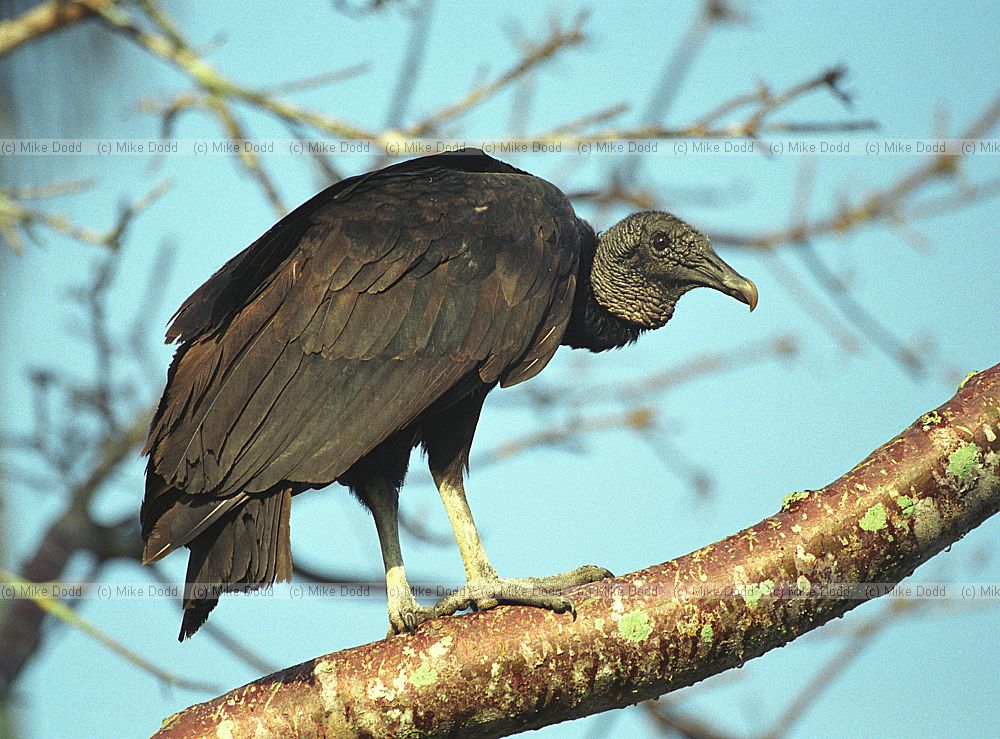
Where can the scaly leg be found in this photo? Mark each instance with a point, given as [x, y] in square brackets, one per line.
[404, 612]
[484, 589]
[448, 454]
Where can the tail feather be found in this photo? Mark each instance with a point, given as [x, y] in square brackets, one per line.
[245, 549]
[187, 517]
[237, 544]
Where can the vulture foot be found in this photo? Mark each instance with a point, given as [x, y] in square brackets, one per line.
[482, 594]
[406, 615]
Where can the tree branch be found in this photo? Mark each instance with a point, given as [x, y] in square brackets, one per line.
[653, 631]
[14, 216]
[45, 18]
[894, 204]
[21, 628]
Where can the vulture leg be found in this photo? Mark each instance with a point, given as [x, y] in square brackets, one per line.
[404, 612]
[448, 440]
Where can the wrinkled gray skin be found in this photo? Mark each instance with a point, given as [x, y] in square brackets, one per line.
[631, 281]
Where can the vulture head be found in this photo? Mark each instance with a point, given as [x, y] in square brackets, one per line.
[645, 262]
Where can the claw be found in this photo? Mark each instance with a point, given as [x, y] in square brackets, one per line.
[405, 617]
[485, 593]
[485, 604]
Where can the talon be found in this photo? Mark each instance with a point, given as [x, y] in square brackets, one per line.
[482, 594]
[407, 616]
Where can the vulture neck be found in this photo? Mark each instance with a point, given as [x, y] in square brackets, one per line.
[591, 325]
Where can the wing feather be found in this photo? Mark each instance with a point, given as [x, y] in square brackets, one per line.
[396, 292]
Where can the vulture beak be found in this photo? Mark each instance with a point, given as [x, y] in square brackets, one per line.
[718, 275]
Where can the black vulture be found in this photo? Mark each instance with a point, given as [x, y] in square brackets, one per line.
[374, 318]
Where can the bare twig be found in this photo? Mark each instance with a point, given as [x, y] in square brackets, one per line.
[246, 156]
[67, 615]
[586, 121]
[823, 317]
[558, 40]
[674, 722]
[881, 205]
[861, 639]
[165, 46]
[44, 18]
[409, 70]
[678, 63]
[756, 124]
[228, 642]
[860, 317]
[84, 467]
[675, 70]
[568, 434]
[699, 367]
[319, 80]
[15, 218]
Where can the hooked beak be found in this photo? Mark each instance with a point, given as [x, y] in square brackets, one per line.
[718, 275]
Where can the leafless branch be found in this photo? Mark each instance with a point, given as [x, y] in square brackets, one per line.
[66, 614]
[754, 125]
[885, 205]
[409, 70]
[676, 68]
[16, 218]
[674, 722]
[653, 631]
[558, 40]
[44, 18]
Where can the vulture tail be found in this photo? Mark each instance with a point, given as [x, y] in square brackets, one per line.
[237, 544]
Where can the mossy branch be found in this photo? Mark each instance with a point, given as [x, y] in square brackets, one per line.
[653, 631]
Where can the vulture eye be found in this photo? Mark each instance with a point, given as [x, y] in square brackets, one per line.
[660, 242]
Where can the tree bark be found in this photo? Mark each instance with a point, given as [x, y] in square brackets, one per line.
[659, 629]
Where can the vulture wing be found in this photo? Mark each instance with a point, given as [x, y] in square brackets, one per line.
[345, 322]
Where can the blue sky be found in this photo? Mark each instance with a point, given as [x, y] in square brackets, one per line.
[759, 431]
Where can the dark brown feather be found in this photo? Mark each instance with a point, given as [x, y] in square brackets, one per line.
[384, 299]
